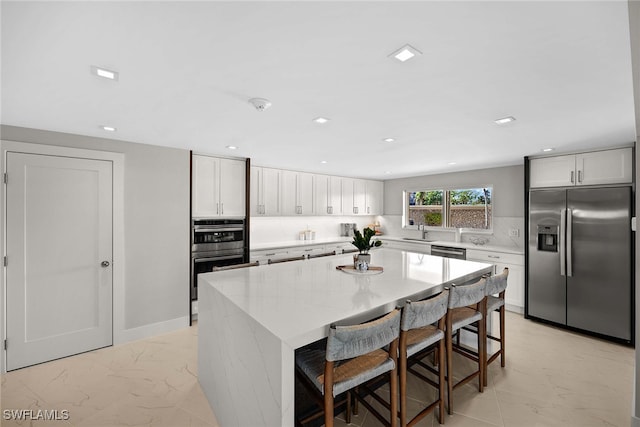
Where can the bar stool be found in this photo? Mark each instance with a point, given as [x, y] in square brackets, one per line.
[496, 285]
[467, 303]
[419, 337]
[353, 356]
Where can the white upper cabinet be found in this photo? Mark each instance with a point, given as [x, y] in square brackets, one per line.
[359, 197]
[552, 171]
[276, 192]
[297, 193]
[598, 167]
[348, 207]
[265, 191]
[218, 187]
[375, 196]
[605, 167]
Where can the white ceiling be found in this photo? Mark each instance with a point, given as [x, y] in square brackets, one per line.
[187, 70]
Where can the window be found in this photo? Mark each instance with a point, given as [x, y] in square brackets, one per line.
[460, 208]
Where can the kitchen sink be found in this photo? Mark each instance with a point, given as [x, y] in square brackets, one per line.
[417, 239]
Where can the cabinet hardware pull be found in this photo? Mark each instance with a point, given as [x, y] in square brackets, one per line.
[493, 256]
[572, 180]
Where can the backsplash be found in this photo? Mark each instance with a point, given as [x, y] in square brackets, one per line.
[392, 225]
[287, 228]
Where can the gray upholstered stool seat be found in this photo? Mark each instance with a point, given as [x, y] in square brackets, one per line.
[494, 303]
[347, 374]
[353, 356]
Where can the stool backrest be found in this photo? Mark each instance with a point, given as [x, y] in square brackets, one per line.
[346, 342]
[498, 283]
[464, 295]
[416, 314]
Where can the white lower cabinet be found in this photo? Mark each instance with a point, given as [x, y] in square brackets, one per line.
[514, 295]
[407, 245]
[263, 256]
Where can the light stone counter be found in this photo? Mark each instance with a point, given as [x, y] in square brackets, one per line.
[251, 321]
[466, 245]
[299, 243]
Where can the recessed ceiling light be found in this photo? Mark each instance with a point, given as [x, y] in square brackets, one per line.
[546, 150]
[405, 53]
[108, 128]
[387, 172]
[321, 120]
[232, 147]
[504, 120]
[324, 162]
[103, 72]
[451, 163]
[389, 140]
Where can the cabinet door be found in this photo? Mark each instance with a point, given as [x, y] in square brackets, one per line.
[348, 207]
[335, 196]
[289, 192]
[271, 191]
[204, 183]
[256, 193]
[605, 167]
[359, 197]
[321, 194]
[306, 193]
[232, 190]
[375, 191]
[553, 171]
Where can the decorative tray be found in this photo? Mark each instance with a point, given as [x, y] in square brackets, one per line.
[350, 269]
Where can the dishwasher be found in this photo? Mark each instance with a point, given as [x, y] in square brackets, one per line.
[449, 252]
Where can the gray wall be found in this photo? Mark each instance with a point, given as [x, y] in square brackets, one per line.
[156, 222]
[507, 183]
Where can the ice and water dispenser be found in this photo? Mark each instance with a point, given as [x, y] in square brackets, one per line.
[548, 238]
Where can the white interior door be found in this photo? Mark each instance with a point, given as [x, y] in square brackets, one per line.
[59, 255]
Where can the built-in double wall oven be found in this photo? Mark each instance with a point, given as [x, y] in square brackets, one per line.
[215, 243]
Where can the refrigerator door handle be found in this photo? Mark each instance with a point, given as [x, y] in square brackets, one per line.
[569, 242]
[561, 243]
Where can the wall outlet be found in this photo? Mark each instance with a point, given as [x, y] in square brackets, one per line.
[514, 232]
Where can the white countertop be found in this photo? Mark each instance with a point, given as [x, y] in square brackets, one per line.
[342, 239]
[299, 243]
[466, 245]
[296, 301]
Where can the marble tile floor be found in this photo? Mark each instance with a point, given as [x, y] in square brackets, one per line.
[552, 378]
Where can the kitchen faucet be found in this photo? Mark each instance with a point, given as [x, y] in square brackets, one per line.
[424, 231]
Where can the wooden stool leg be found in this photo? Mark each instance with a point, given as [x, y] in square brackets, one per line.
[502, 346]
[441, 367]
[449, 343]
[328, 394]
[393, 397]
[348, 410]
[403, 388]
[482, 352]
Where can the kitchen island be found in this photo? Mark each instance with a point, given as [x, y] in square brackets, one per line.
[252, 320]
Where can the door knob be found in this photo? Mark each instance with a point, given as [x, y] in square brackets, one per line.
[105, 263]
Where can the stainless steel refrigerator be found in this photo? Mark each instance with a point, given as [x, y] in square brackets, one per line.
[579, 269]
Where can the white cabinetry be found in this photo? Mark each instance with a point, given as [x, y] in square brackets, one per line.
[598, 167]
[297, 193]
[407, 245]
[359, 197]
[375, 193]
[218, 187]
[265, 191]
[327, 195]
[514, 295]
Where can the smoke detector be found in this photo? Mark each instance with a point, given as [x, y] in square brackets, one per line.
[260, 104]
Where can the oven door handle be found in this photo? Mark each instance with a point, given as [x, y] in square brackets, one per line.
[217, 258]
[214, 230]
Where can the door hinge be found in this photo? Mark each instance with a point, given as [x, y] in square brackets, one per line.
[4, 178]
[4, 261]
[5, 344]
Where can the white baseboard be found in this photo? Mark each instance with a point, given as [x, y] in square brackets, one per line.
[514, 308]
[151, 330]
